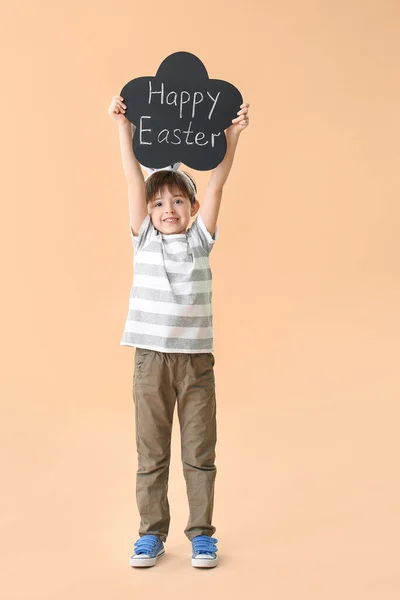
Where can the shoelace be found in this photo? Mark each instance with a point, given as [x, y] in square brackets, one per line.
[204, 544]
[145, 544]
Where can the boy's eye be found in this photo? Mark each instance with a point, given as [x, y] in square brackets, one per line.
[159, 203]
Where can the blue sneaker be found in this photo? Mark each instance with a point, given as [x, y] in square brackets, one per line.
[146, 551]
[204, 551]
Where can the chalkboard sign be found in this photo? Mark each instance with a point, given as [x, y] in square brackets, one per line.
[180, 114]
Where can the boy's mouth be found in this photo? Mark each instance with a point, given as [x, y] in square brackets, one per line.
[171, 220]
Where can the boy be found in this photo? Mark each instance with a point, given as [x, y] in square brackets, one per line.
[170, 325]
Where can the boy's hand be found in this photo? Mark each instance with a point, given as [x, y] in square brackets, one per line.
[241, 122]
[116, 110]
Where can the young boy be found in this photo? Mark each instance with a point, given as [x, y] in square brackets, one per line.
[170, 325]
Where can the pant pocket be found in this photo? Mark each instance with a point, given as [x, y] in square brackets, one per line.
[141, 355]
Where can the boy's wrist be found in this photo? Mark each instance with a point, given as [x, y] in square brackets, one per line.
[232, 135]
[125, 123]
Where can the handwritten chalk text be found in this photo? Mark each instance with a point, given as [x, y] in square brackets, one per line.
[164, 136]
[184, 97]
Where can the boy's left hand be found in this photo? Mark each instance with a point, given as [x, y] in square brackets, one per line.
[241, 121]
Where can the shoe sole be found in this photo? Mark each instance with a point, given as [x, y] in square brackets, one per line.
[136, 561]
[204, 562]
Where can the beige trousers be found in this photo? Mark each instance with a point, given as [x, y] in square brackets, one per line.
[160, 379]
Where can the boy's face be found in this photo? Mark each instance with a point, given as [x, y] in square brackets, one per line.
[170, 210]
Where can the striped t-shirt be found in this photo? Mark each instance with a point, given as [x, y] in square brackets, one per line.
[170, 304]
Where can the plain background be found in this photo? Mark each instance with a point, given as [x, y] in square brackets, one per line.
[306, 302]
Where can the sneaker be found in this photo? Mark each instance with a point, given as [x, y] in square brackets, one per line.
[204, 551]
[146, 551]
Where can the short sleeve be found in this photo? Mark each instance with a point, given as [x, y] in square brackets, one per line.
[145, 232]
[205, 238]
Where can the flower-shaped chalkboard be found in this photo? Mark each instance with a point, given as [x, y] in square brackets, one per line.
[180, 114]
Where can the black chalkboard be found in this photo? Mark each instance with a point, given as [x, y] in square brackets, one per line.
[180, 114]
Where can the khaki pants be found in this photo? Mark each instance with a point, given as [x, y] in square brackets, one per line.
[160, 379]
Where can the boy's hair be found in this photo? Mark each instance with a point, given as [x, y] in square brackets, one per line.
[171, 179]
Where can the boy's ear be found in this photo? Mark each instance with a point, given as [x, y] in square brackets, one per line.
[195, 207]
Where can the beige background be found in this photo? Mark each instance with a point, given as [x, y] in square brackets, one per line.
[306, 302]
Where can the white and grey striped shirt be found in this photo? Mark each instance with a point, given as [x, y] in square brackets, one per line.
[170, 304]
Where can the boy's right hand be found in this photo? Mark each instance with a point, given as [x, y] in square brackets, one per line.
[116, 110]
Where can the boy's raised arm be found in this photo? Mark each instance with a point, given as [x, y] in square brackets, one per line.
[134, 176]
[130, 165]
[213, 194]
[132, 170]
